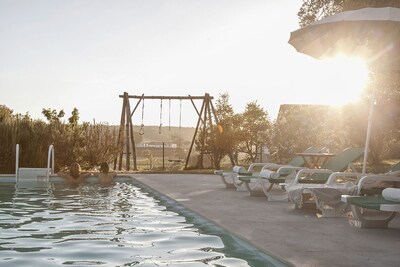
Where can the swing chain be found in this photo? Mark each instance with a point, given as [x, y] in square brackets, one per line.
[159, 128]
[180, 129]
[141, 131]
[169, 115]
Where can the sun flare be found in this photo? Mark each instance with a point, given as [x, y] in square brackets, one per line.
[346, 78]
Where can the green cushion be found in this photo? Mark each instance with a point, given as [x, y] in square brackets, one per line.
[277, 180]
[246, 178]
[369, 202]
[298, 161]
[245, 173]
[338, 163]
[316, 178]
[371, 191]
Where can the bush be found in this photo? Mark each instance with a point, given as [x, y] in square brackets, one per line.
[87, 144]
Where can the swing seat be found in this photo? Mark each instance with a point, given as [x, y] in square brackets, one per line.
[175, 160]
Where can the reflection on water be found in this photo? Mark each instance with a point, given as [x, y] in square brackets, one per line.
[90, 225]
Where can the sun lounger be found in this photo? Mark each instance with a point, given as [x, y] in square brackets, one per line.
[229, 178]
[267, 183]
[378, 210]
[299, 190]
[327, 197]
[262, 183]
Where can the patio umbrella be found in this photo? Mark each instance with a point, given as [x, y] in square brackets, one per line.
[370, 33]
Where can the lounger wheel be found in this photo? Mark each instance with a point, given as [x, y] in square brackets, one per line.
[228, 181]
[359, 219]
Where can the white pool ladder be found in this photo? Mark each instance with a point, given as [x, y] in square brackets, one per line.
[50, 164]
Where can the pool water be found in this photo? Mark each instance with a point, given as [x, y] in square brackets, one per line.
[53, 224]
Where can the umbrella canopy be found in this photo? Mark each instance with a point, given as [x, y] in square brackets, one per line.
[370, 33]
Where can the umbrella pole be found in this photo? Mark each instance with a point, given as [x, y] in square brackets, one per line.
[366, 149]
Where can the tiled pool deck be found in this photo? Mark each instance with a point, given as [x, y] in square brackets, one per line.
[297, 236]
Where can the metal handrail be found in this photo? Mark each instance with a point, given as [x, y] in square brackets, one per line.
[16, 162]
[50, 154]
[50, 162]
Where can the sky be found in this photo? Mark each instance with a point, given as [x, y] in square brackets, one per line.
[85, 53]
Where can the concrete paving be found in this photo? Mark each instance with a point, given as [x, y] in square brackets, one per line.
[277, 228]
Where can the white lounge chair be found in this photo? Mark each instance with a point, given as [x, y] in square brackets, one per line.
[272, 174]
[327, 197]
[230, 178]
[268, 182]
[299, 191]
[374, 211]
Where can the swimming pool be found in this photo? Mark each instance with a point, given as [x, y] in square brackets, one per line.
[124, 224]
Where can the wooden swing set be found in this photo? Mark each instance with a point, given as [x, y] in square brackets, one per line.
[126, 140]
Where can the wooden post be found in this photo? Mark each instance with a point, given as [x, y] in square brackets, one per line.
[202, 141]
[132, 141]
[120, 143]
[126, 127]
[163, 156]
[194, 135]
[127, 141]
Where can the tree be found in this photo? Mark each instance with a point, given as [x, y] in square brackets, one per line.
[74, 119]
[61, 137]
[223, 140]
[313, 10]
[68, 138]
[385, 129]
[301, 126]
[100, 144]
[52, 115]
[254, 122]
[5, 114]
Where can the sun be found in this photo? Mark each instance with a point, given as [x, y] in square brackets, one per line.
[343, 78]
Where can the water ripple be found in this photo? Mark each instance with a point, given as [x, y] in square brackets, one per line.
[91, 225]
